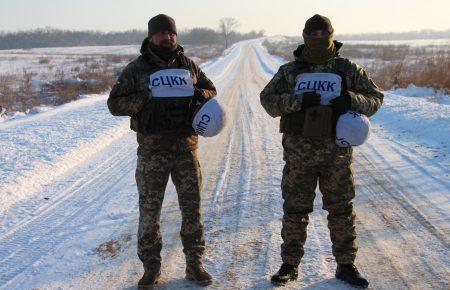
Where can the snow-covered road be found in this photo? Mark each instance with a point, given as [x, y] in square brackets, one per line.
[68, 186]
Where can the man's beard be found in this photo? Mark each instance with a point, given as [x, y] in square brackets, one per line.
[167, 44]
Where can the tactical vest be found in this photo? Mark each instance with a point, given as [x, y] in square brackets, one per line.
[172, 105]
[323, 83]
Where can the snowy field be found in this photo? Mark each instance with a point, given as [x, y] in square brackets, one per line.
[69, 203]
[32, 80]
[442, 42]
[44, 61]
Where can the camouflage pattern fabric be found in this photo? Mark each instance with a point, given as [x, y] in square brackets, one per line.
[278, 97]
[311, 162]
[162, 155]
[308, 163]
[152, 175]
[130, 95]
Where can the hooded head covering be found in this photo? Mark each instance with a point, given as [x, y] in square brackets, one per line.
[318, 49]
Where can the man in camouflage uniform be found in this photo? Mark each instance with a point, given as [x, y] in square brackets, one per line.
[167, 143]
[312, 158]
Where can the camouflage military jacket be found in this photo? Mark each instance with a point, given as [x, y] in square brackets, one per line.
[278, 97]
[130, 94]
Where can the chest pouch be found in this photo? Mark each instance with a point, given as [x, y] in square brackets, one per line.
[318, 123]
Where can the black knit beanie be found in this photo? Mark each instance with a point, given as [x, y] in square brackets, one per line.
[318, 22]
[161, 22]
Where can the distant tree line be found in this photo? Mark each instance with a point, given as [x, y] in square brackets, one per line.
[211, 36]
[226, 35]
[52, 37]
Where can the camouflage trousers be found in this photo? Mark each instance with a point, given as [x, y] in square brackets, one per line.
[310, 162]
[152, 175]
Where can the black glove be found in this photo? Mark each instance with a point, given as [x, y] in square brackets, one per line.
[198, 95]
[310, 99]
[341, 104]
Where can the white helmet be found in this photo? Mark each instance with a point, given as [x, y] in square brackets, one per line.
[352, 129]
[209, 119]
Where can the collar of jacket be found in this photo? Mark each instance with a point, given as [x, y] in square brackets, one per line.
[298, 52]
[152, 58]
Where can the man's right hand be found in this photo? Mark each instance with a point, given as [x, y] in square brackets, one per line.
[310, 99]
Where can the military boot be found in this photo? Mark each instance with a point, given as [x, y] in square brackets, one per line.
[349, 273]
[285, 274]
[195, 272]
[149, 279]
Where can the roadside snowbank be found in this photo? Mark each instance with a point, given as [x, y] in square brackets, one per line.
[37, 148]
[430, 94]
[418, 118]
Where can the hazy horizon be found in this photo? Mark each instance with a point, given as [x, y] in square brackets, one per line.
[215, 28]
[284, 18]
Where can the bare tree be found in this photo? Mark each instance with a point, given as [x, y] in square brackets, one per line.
[227, 27]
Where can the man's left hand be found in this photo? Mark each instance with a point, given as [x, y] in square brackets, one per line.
[341, 104]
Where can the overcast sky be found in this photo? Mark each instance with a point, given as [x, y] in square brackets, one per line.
[285, 17]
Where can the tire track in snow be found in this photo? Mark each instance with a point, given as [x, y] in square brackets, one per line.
[228, 217]
[27, 243]
[392, 187]
[399, 233]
